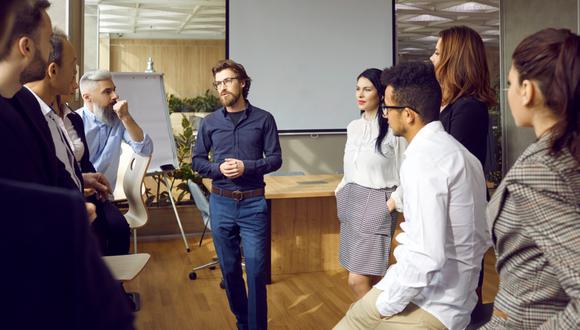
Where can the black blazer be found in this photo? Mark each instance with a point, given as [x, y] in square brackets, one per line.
[52, 274]
[26, 141]
[26, 156]
[467, 120]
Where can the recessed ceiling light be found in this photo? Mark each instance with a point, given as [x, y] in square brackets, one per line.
[491, 32]
[427, 18]
[402, 6]
[411, 49]
[428, 38]
[472, 7]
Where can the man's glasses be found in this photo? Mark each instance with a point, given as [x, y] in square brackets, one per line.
[226, 82]
[386, 108]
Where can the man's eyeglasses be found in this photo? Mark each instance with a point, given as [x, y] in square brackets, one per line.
[386, 108]
[226, 82]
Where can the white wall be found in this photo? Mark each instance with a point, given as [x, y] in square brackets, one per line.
[520, 18]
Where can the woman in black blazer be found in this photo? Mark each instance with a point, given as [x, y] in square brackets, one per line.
[462, 71]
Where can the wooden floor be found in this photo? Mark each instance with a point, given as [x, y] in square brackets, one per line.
[170, 300]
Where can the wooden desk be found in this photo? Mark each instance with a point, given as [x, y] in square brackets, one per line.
[303, 222]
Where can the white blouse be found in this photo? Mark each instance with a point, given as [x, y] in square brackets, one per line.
[363, 165]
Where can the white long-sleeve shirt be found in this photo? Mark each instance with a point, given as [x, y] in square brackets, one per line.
[75, 141]
[444, 235]
[61, 141]
[363, 165]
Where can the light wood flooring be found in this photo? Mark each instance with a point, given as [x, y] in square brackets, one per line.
[170, 300]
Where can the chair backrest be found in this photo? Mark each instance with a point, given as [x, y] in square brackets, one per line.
[200, 201]
[132, 182]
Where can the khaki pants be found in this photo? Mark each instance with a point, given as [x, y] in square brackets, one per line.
[363, 314]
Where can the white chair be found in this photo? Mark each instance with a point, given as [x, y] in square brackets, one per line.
[137, 215]
[125, 268]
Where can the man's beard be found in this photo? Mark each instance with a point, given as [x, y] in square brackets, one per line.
[233, 100]
[35, 71]
[105, 115]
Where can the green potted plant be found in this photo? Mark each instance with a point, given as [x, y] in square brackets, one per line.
[184, 117]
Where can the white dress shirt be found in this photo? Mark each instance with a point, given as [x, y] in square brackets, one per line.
[363, 165]
[59, 138]
[72, 136]
[444, 236]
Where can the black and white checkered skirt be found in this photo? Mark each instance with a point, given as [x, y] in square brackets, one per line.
[366, 228]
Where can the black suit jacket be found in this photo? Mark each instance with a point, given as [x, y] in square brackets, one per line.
[26, 142]
[52, 274]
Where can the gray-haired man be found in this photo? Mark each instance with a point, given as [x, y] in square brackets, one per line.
[107, 123]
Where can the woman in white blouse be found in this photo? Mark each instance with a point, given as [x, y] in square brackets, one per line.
[372, 158]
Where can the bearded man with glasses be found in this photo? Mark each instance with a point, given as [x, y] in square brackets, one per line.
[443, 239]
[245, 146]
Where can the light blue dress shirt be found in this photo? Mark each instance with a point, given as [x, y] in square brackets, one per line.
[104, 144]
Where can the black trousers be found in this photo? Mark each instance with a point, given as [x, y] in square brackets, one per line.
[111, 229]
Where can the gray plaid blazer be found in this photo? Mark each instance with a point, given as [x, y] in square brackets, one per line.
[534, 218]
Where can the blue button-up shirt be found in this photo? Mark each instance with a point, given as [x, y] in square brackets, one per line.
[104, 144]
[253, 140]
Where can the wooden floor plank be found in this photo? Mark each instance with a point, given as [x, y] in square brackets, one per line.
[170, 300]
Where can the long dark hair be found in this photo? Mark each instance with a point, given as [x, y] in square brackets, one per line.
[552, 58]
[374, 75]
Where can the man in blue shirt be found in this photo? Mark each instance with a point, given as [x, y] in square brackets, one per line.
[107, 123]
[245, 146]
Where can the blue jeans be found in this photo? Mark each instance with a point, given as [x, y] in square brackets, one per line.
[242, 222]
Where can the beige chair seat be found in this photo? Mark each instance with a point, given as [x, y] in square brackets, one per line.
[126, 267]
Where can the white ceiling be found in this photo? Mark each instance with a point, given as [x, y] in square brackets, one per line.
[160, 19]
[418, 21]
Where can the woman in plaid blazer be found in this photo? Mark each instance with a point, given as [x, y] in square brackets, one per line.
[535, 214]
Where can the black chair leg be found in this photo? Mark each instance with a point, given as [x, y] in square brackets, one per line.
[134, 301]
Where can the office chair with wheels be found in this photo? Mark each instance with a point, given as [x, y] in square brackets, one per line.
[203, 205]
[137, 215]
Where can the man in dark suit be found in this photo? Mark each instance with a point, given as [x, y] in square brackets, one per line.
[24, 57]
[53, 276]
[67, 286]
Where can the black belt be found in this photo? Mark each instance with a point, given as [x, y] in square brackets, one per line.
[237, 194]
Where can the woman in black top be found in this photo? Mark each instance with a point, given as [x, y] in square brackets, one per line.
[462, 71]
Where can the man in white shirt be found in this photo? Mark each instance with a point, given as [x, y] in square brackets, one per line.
[444, 236]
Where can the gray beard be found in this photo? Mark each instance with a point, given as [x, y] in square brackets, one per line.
[105, 115]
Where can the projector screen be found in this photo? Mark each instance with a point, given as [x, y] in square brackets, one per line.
[304, 56]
